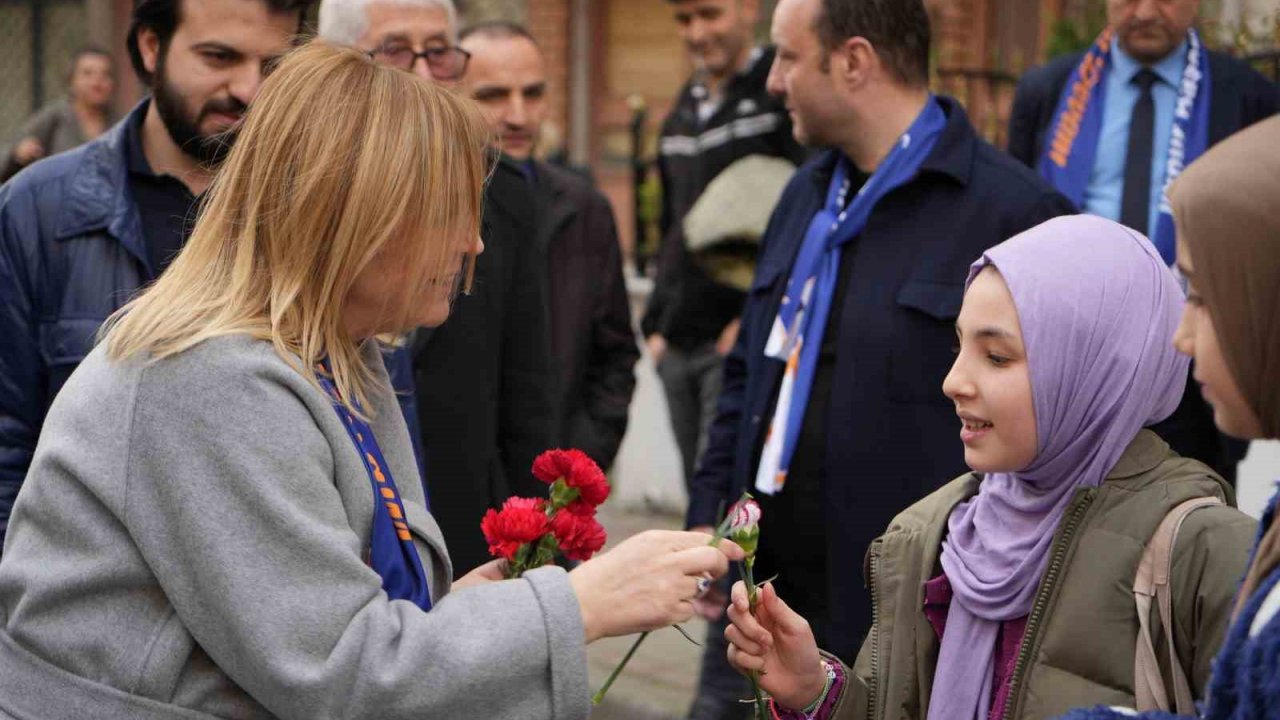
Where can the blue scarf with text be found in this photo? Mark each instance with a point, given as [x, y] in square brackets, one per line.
[1072, 146]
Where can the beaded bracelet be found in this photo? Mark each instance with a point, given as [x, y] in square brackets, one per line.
[814, 706]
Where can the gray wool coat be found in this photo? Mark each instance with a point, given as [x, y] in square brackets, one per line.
[189, 543]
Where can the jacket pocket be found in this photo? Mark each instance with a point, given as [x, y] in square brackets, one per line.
[63, 344]
[922, 347]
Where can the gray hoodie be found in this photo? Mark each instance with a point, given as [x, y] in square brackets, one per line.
[189, 542]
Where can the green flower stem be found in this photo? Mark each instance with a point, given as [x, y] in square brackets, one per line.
[722, 530]
[599, 696]
[753, 598]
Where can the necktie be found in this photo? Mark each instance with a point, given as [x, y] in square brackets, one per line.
[1135, 204]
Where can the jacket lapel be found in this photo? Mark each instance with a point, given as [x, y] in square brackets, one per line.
[773, 269]
[98, 197]
[554, 206]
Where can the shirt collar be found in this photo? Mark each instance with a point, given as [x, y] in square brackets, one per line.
[137, 159]
[952, 154]
[1169, 69]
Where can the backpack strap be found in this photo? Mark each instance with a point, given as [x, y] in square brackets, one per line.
[1152, 581]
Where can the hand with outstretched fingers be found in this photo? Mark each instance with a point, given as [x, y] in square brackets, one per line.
[777, 643]
[647, 582]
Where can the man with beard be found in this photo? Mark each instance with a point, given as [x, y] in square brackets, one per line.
[81, 232]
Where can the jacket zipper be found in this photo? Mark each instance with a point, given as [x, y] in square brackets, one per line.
[873, 565]
[1042, 600]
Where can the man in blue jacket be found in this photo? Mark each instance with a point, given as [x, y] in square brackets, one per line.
[81, 232]
[832, 411]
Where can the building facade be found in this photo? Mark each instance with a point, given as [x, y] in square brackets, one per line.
[607, 58]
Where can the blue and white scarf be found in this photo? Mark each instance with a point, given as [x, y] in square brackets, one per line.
[1068, 156]
[796, 337]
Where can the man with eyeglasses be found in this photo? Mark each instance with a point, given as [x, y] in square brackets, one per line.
[496, 344]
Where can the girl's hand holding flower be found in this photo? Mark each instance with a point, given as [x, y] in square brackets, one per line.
[778, 645]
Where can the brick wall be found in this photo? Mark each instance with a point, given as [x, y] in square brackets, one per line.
[959, 29]
[548, 20]
[474, 11]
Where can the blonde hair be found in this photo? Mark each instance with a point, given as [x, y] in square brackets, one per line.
[338, 159]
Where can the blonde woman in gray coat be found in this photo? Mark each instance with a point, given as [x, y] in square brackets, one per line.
[223, 516]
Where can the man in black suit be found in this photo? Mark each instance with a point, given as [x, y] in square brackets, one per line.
[592, 340]
[1111, 127]
[495, 347]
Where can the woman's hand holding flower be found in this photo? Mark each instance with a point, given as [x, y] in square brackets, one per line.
[491, 571]
[647, 582]
[778, 645]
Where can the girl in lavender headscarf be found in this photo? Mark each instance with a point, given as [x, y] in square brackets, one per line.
[1008, 592]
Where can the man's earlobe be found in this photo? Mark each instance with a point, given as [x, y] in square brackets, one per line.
[149, 49]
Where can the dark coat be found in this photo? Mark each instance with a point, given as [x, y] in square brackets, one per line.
[1239, 97]
[687, 307]
[592, 340]
[891, 433]
[71, 253]
[483, 380]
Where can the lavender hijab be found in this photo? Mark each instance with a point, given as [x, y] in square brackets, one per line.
[1098, 309]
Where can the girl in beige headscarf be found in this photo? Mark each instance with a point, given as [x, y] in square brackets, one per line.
[1227, 210]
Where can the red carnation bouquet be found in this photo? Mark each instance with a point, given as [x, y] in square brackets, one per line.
[528, 532]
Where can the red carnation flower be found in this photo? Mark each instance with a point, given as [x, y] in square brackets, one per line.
[577, 470]
[521, 520]
[590, 480]
[579, 536]
[552, 465]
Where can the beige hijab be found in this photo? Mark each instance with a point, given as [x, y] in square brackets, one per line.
[1226, 206]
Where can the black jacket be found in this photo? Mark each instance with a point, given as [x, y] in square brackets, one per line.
[593, 343]
[1239, 97]
[687, 307]
[892, 436]
[483, 379]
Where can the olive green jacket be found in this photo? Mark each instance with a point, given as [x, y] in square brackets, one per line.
[1079, 644]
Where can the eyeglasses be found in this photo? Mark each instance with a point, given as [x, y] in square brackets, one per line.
[444, 63]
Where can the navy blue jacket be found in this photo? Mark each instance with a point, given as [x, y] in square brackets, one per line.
[892, 436]
[1239, 97]
[71, 253]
